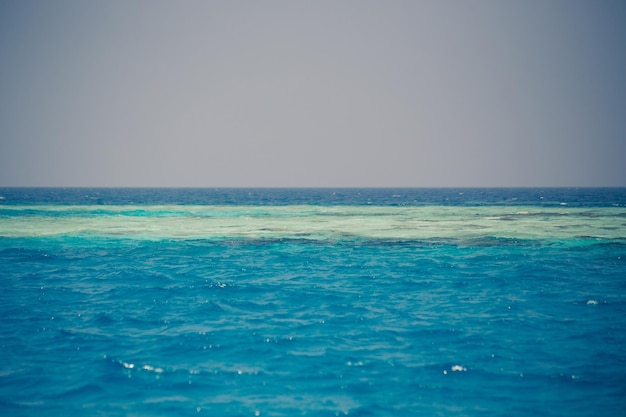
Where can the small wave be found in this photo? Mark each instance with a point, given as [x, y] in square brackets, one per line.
[455, 368]
[81, 391]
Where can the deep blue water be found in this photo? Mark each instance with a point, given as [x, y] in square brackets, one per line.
[317, 196]
[316, 302]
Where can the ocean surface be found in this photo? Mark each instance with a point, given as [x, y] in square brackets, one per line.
[312, 302]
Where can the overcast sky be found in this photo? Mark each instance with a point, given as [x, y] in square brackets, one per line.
[313, 93]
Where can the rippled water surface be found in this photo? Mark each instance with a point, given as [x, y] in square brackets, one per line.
[312, 302]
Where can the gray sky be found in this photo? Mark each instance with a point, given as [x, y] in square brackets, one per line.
[313, 93]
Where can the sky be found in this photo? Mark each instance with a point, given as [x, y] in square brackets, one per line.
[341, 93]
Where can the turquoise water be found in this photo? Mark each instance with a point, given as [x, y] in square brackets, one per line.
[312, 302]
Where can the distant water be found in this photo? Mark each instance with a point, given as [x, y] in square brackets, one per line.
[316, 302]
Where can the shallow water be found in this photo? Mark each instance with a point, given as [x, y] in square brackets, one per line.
[147, 302]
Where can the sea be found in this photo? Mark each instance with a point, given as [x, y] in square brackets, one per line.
[312, 302]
